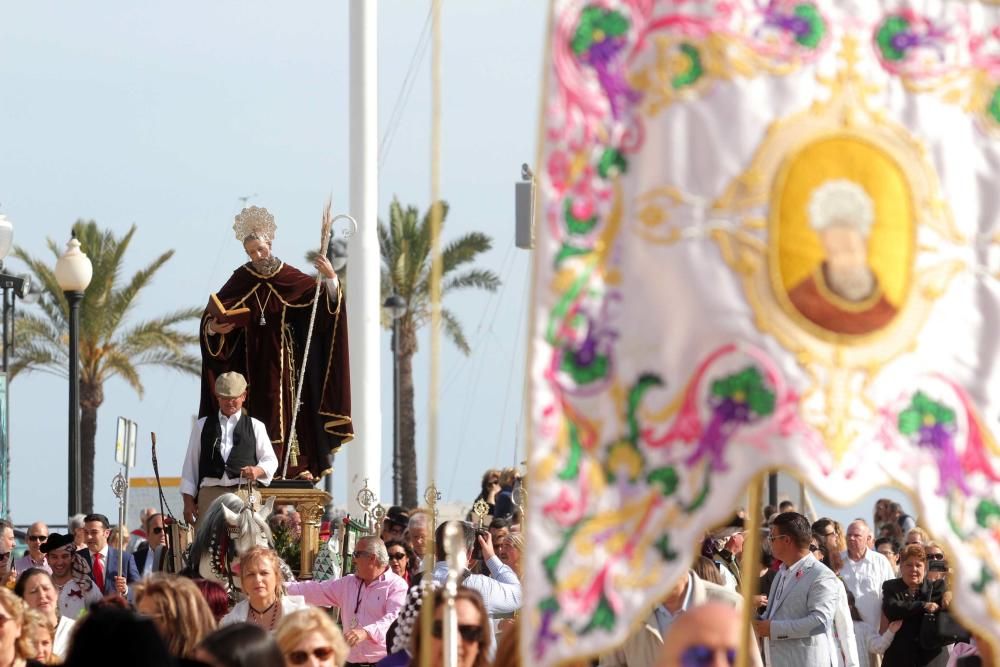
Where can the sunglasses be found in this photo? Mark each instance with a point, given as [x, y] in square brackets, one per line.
[469, 633]
[359, 554]
[38, 538]
[704, 656]
[300, 657]
[935, 556]
[397, 556]
[158, 530]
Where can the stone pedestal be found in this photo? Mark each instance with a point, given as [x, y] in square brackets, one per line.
[310, 503]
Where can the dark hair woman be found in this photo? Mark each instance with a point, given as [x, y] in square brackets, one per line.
[907, 599]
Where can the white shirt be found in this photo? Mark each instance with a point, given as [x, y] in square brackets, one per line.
[266, 459]
[501, 591]
[864, 578]
[74, 598]
[60, 644]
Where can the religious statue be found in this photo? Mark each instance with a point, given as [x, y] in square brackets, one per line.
[266, 345]
[842, 294]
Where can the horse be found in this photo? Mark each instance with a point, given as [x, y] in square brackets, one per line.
[228, 530]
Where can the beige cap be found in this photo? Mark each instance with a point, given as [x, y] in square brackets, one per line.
[230, 385]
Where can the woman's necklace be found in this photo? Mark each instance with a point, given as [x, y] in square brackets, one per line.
[257, 617]
[262, 321]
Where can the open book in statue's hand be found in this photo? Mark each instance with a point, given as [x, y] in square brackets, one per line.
[238, 317]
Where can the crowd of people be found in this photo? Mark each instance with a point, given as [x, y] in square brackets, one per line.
[829, 596]
[75, 594]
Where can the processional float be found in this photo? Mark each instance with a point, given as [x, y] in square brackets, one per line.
[698, 319]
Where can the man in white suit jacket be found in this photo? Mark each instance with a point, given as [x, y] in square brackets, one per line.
[802, 601]
[643, 648]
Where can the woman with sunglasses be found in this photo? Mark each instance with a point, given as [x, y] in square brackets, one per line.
[401, 559]
[489, 489]
[474, 631]
[309, 637]
[261, 582]
[907, 599]
[35, 587]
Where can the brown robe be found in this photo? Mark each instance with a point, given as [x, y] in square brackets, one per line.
[270, 357]
[814, 299]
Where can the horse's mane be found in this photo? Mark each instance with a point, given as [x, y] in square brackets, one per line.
[213, 525]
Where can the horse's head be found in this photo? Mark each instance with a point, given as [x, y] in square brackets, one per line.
[247, 528]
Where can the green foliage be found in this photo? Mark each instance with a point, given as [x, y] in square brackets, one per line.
[575, 225]
[405, 245]
[694, 71]
[923, 411]
[612, 163]
[597, 24]
[891, 27]
[665, 478]
[746, 386]
[817, 27]
[111, 344]
[287, 543]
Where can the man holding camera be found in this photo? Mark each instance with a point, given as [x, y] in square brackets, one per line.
[501, 591]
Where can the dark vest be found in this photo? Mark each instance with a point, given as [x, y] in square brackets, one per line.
[243, 453]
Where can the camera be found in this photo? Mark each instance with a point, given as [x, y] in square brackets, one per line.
[477, 552]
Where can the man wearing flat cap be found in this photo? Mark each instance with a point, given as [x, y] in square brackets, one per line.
[727, 549]
[224, 448]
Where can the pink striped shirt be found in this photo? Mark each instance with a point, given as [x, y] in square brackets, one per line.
[373, 607]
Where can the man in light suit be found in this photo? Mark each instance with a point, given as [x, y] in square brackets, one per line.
[643, 647]
[802, 600]
[103, 559]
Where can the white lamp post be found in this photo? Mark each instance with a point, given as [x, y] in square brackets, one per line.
[73, 273]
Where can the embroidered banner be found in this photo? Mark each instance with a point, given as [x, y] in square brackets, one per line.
[768, 238]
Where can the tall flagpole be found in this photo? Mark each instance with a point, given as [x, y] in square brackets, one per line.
[364, 454]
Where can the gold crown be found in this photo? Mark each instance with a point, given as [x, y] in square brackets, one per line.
[254, 221]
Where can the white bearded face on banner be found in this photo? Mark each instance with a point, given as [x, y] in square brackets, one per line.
[767, 243]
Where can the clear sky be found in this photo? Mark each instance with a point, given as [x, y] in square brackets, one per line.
[163, 115]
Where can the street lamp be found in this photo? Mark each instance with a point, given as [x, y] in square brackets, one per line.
[395, 308]
[73, 273]
[14, 287]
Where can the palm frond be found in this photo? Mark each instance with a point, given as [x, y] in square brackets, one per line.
[453, 329]
[479, 278]
[464, 250]
[122, 300]
[178, 361]
[117, 364]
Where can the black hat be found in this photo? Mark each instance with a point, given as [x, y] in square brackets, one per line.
[56, 541]
[397, 516]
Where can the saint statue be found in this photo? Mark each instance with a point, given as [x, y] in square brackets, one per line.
[268, 350]
[842, 294]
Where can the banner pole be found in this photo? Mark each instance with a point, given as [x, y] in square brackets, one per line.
[749, 566]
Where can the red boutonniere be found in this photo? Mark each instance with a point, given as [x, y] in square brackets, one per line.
[798, 575]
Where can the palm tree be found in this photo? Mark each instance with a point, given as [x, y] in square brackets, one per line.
[406, 268]
[110, 345]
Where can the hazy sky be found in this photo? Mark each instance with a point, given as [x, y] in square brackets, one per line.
[163, 115]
